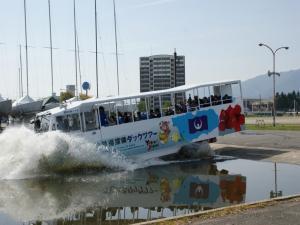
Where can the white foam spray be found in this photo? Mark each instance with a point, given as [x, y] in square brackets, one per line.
[24, 154]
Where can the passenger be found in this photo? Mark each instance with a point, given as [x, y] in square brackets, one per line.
[196, 101]
[227, 99]
[190, 101]
[218, 99]
[152, 114]
[112, 120]
[126, 117]
[201, 102]
[213, 100]
[206, 101]
[141, 116]
[169, 111]
[183, 107]
[120, 118]
[157, 113]
[138, 116]
[103, 118]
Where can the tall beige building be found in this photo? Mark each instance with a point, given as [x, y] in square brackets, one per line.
[158, 72]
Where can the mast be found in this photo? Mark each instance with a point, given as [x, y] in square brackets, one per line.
[96, 42]
[79, 65]
[116, 41]
[19, 83]
[26, 47]
[51, 53]
[75, 43]
[21, 73]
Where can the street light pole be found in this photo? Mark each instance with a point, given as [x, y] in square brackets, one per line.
[273, 73]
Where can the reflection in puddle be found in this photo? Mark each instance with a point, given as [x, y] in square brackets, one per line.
[134, 196]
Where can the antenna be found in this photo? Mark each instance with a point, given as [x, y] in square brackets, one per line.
[116, 40]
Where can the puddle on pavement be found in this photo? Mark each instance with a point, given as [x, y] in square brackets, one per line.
[132, 196]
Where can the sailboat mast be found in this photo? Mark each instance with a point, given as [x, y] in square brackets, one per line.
[116, 41]
[75, 42]
[19, 83]
[96, 42]
[26, 47]
[79, 65]
[51, 53]
[21, 73]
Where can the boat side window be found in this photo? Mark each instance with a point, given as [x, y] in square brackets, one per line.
[74, 122]
[68, 122]
[90, 120]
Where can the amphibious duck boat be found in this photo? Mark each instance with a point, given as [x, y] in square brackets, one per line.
[151, 124]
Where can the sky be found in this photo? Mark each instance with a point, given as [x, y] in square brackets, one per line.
[218, 38]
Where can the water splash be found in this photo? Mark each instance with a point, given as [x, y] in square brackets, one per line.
[24, 154]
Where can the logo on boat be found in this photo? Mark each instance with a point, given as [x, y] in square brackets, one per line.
[198, 123]
[199, 191]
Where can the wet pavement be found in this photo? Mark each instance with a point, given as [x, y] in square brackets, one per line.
[273, 146]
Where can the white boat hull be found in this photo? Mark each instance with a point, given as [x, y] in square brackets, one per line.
[26, 108]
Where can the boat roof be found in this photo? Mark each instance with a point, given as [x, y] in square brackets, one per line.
[88, 104]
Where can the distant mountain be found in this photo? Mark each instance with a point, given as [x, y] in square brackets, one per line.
[263, 84]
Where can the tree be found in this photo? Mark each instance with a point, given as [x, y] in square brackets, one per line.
[142, 106]
[166, 104]
[65, 96]
[84, 96]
